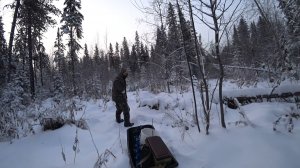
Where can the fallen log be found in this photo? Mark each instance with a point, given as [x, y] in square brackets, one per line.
[243, 100]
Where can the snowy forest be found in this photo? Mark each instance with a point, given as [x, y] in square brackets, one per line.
[252, 42]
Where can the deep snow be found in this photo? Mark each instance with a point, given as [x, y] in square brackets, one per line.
[235, 147]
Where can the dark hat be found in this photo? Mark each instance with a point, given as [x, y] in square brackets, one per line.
[123, 70]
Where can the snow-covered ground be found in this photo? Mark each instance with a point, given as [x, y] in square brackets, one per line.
[238, 146]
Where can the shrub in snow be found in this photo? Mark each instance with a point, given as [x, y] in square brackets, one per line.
[13, 100]
[103, 159]
[285, 121]
[81, 123]
[244, 120]
[61, 113]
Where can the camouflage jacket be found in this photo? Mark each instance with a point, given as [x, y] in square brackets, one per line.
[119, 94]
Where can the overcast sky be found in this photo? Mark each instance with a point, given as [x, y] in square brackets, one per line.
[113, 19]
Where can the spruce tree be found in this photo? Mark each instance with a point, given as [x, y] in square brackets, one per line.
[60, 68]
[86, 63]
[59, 57]
[254, 43]
[144, 66]
[157, 56]
[96, 59]
[244, 37]
[187, 40]
[117, 58]
[137, 44]
[87, 74]
[99, 71]
[35, 16]
[158, 60]
[126, 53]
[11, 37]
[236, 46]
[72, 25]
[20, 48]
[133, 64]
[173, 52]
[265, 41]
[43, 72]
[144, 56]
[112, 61]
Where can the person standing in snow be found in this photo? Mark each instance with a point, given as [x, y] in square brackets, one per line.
[119, 96]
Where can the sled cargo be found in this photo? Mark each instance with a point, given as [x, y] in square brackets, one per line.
[147, 150]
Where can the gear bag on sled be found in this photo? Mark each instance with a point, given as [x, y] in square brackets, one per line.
[147, 150]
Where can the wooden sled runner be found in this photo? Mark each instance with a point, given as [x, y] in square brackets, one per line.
[149, 153]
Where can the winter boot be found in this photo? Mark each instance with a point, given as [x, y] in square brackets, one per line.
[127, 123]
[119, 121]
[118, 117]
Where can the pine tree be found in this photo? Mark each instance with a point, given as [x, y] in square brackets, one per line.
[72, 25]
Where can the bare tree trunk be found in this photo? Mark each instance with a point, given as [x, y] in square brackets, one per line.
[189, 66]
[205, 103]
[217, 47]
[31, 73]
[160, 14]
[216, 10]
[72, 61]
[11, 38]
[41, 69]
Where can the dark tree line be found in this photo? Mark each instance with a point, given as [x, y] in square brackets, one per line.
[259, 50]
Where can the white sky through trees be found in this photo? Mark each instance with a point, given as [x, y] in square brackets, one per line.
[113, 19]
[104, 19]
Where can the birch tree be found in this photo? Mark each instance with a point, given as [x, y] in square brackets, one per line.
[216, 11]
